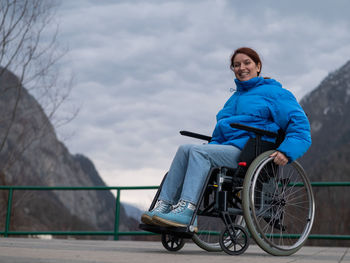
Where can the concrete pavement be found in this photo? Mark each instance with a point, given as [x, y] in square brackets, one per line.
[27, 250]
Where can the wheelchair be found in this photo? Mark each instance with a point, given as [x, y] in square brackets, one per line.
[275, 203]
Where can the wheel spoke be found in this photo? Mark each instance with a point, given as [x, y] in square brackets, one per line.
[278, 205]
[239, 241]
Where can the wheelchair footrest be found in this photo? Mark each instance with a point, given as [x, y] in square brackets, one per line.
[183, 232]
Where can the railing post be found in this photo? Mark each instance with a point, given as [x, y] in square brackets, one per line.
[117, 213]
[8, 216]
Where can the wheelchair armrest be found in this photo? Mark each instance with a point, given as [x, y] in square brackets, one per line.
[196, 135]
[254, 130]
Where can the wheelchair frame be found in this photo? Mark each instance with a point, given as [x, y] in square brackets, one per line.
[257, 194]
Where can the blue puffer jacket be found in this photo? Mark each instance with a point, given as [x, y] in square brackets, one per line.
[264, 104]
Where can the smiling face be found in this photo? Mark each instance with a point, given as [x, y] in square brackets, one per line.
[245, 68]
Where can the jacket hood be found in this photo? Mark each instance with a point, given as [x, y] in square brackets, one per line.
[255, 82]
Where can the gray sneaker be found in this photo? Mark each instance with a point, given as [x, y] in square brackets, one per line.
[161, 206]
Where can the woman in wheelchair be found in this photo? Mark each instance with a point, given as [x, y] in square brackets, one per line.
[258, 102]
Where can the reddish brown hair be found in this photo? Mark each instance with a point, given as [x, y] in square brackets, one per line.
[250, 53]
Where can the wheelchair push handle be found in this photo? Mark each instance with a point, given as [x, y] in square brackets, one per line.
[196, 135]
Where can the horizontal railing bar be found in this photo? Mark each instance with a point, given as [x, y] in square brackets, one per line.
[338, 237]
[38, 188]
[320, 184]
[7, 187]
[59, 233]
[78, 233]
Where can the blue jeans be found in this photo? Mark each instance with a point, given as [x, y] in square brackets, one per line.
[190, 168]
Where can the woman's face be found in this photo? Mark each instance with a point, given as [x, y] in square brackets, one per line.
[244, 67]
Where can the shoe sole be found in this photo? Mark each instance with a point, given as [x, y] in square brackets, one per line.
[167, 223]
[146, 219]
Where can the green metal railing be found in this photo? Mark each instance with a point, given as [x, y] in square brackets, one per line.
[116, 233]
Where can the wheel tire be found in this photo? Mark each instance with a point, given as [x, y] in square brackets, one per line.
[278, 199]
[236, 245]
[172, 243]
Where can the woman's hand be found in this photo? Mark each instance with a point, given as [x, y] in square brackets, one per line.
[279, 158]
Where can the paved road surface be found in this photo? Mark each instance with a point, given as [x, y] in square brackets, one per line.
[21, 250]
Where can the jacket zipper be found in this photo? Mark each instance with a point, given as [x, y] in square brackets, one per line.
[236, 105]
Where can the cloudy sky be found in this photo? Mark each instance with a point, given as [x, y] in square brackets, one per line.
[144, 70]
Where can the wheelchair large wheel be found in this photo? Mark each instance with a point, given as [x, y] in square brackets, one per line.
[278, 205]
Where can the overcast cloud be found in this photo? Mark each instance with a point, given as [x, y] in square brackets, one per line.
[146, 69]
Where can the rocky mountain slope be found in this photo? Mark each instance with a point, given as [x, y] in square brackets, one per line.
[31, 154]
[328, 159]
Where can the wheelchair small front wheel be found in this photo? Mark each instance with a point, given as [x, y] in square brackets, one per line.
[210, 224]
[234, 240]
[278, 205]
[172, 243]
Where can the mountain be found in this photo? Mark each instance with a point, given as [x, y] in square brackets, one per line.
[328, 159]
[132, 211]
[31, 154]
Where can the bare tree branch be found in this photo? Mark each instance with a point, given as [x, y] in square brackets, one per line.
[29, 48]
